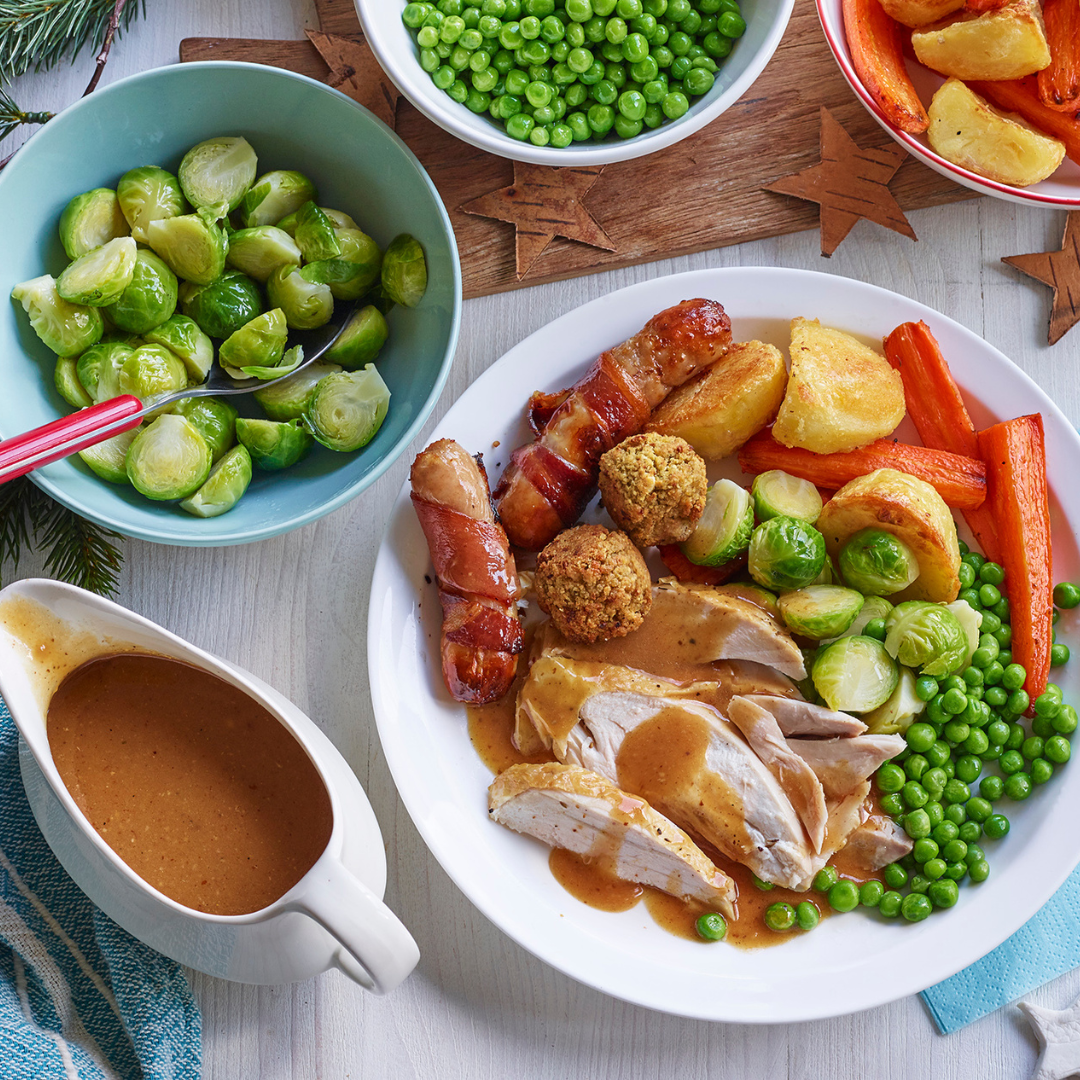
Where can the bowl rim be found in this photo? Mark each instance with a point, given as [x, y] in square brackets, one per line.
[500, 144]
[167, 533]
[962, 176]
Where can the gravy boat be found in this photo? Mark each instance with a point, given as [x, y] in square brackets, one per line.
[332, 917]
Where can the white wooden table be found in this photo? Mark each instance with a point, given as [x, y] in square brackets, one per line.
[293, 610]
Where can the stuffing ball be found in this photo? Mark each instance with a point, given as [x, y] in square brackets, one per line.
[593, 583]
[654, 486]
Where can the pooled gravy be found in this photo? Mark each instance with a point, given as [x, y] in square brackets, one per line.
[194, 784]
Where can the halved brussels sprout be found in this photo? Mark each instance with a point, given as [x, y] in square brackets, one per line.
[877, 563]
[68, 329]
[149, 300]
[185, 338]
[855, 674]
[820, 611]
[364, 335]
[168, 459]
[404, 271]
[258, 252]
[274, 195]
[306, 304]
[971, 620]
[273, 444]
[897, 714]
[152, 371]
[90, 220]
[214, 419]
[786, 553]
[225, 305]
[779, 494]
[354, 271]
[724, 528]
[228, 480]
[66, 378]
[927, 637]
[100, 276]
[148, 194]
[99, 367]
[193, 247]
[874, 607]
[315, 234]
[258, 343]
[348, 408]
[292, 359]
[339, 219]
[216, 174]
[109, 458]
[288, 398]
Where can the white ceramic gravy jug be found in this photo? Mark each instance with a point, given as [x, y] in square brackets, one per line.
[332, 917]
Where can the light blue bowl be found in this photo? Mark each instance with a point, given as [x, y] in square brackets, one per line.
[358, 165]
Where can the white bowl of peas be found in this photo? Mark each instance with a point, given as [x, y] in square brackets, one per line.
[573, 82]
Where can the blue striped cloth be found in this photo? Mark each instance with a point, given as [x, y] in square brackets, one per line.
[80, 998]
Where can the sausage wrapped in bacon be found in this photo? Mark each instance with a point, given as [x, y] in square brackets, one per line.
[481, 635]
[548, 483]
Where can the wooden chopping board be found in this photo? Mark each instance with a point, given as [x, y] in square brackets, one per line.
[702, 193]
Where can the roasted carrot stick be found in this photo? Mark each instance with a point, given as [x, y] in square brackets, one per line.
[684, 570]
[1059, 84]
[1015, 457]
[1022, 96]
[875, 42]
[959, 480]
[938, 411]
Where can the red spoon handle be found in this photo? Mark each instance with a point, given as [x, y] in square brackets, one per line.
[22, 453]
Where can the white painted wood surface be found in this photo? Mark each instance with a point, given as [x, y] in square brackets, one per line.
[293, 610]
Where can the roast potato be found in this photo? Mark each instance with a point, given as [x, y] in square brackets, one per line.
[1007, 43]
[841, 395]
[968, 131]
[719, 409]
[917, 13]
[908, 508]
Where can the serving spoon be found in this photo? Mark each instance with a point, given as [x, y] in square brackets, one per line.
[69, 434]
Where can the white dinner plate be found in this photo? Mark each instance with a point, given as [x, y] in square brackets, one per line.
[849, 962]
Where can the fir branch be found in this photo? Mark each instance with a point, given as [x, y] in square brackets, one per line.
[12, 117]
[106, 45]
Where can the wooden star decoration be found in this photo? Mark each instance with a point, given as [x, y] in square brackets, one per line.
[355, 71]
[849, 183]
[1061, 271]
[1058, 1032]
[542, 203]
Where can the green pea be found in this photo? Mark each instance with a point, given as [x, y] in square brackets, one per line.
[896, 877]
[991, 788]
[890, 778]
[975, 559]
[966, 574]
[920, 737]
[915, 795]
[979, 871]
[1005, 656]
[917, 824]
[1066, 595]
[712, 926]
[926, 687]
[970, 597]
[780, 917]
[1016, 738]
[1066, 720]
[519, 126]
[1057, 749]
[935, 711]
[976, 743]
[1004, 635]
[955, 701]
[934, 869]
[938, 754]
[994, 672]
[893, 804]
[731, 25]
[956, 791]
[956, 871]
[934, 781]
[915, 766]
[763, 886]
[1041, 771]
[699, 81]
[996, 826]
[1059, 654]
[675, 105]
[991, 624]
[1032, 748]
[916, 907]
[970, 832]
[943, 894]
[870, 893]
[890, 904]
[979, 809]
[946, 832]
[989, 594]
[954, 851]
[935, 813]
[1014, 677]
[997, 731]
[827, 876]
[969, 766]
[579, 126]
[844, 896]
[925, 850]
[1018, 702]
[601, 118]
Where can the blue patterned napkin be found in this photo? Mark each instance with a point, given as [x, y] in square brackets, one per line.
[80, 998]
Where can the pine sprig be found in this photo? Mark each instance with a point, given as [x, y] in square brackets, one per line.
[75, 550]
[12, 117]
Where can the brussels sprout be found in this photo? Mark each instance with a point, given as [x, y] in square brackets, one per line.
[225, 305]
[404, 271]
[897, 714]
[724, 528]
[786, 553]
[364, 335]
[273, 444]
[149, 300]
[306, 304]
[260, 251]
[100, 276]
[315, 234]
[66, 378]
[90, 220]
[926, 636]
[108, 459]
[820, 611]
[292, 359]
[259, 343]
[287, 399]
[148, 194]
[168, 459]
[338, 220]
[184, 337]
[99, 367]
[228, 480]
[68, 329]
[216, 174]
[971, 621]
[874, 607]
[214, 419]
[193, 247]
[274, 195]
[855, 674]
[877, 563]
[779, 494]
[348, 408]
[355, 271]
[152, 371]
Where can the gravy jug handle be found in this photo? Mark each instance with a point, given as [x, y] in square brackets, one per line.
[377, 951]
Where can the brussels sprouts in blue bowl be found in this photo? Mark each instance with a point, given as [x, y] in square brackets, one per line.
[359, 168]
